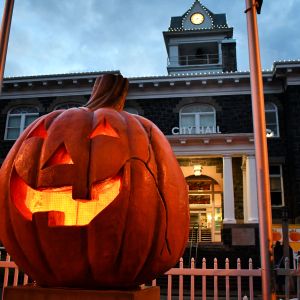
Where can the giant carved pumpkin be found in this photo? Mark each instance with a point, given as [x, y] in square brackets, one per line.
[93, 196]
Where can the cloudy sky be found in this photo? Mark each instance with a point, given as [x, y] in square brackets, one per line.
[62, 36]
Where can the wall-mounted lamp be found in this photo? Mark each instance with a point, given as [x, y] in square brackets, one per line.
[270, 133]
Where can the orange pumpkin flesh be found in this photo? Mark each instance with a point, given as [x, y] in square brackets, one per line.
[73, 212]
[93, 197]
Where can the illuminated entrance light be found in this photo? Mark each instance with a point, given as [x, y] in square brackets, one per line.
[197, 170]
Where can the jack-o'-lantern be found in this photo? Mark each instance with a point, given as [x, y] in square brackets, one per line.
[93, 196]
[276, 236]
[294, 236]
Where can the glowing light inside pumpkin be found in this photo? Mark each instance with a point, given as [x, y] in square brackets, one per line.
[60, 156]
[76, 212]
[104, 128]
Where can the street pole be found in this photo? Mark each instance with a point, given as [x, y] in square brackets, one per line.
[4, 36]
[261, 153]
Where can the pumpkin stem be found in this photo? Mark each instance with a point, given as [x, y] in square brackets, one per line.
[109, 91]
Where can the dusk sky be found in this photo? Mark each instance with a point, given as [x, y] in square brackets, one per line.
[63, 36]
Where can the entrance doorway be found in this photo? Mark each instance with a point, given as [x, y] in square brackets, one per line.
[205, 201]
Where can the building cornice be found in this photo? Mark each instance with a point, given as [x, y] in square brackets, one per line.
[150, 87]
[212, 145]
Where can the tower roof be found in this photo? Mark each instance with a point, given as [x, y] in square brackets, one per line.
[209, 21]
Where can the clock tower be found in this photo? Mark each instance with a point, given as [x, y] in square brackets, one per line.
[200, 41]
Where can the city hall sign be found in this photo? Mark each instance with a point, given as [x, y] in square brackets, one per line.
[196, 130]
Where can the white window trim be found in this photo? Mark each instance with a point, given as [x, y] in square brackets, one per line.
[197, 116]
[69, 104]
[274, 109]
[22, 122]
[281, 185]
[133, 111]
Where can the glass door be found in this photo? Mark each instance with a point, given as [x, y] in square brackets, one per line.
[205, 208]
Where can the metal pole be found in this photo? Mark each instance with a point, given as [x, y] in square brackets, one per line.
[4, 36]
[261, 153]
[285, 232]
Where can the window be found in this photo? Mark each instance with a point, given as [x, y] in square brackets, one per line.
[131, 110]
[197, 119]
[276, 185]
[67, 105]
[18, 119]
[272, 120]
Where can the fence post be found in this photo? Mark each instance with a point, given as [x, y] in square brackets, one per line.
[227, 280]
[251, 280]
[169, 287]
[215, 280]
[204, 280]
[298, 277]
[239, 280]
[181, 280]
[192, 279]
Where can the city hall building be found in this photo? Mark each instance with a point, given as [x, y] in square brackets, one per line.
[203, 106]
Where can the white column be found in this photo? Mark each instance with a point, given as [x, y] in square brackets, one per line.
[229, 216]
[245, 203]
[252, 204]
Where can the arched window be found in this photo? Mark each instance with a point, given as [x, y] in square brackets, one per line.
[67, 105]
[18, 119]
[197, 119]
[131, 110]
[272, 124]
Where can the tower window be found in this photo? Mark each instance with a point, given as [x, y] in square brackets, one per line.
[199, 54]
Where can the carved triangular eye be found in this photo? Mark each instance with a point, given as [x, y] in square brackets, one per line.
[60, 157]
[103, 128]
[39, 131]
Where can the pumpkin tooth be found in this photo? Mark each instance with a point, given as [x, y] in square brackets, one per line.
[56, 218]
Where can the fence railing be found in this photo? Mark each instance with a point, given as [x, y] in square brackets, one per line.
[215, 273]
[193, 282]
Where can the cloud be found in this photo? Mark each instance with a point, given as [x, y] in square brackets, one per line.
[57, 36]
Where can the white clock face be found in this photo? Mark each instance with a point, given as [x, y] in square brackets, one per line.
[197, 18]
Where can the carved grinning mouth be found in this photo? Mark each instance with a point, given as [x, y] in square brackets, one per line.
[62, 208]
